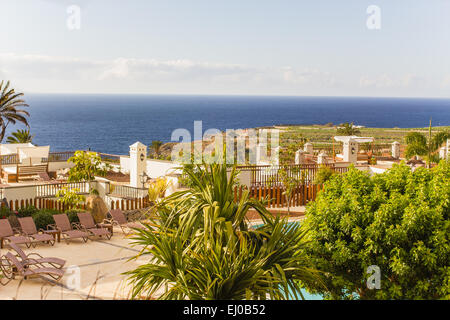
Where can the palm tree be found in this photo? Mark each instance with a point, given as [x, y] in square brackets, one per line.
[419, 145]
[200, 245]
[20, 136]
[10, 102]
[347, 129]
[156, 147]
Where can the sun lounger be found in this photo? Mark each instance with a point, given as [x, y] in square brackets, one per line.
[8, 234]
[63, 225]
[34, 258]
[29, 229]
[43, 176]
[119, 219]
[12, 267]
[88, 225]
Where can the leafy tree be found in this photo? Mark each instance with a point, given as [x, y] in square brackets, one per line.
[398, 221]
[156, 147]
[323, 174]
[20, 136]
[347, 129]
[419, 145]
[87, 166]
[10, 102]
[201, 246]
[70, 198]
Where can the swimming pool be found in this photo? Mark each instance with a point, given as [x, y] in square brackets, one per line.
[306, 294]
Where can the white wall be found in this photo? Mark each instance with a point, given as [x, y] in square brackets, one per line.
[55, 166]
[125, 164]
[159, 168]
[155, 168]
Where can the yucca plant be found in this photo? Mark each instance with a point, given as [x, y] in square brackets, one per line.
[200, 246]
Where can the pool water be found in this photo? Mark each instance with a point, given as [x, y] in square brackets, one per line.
[306, 295]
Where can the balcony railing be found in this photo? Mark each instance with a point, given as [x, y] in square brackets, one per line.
[51, 189]
[9, 159]
[121, 191]
[60, 156]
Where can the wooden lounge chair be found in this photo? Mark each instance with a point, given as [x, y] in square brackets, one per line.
[119, 219]
[67, 231]
[12, 267]
[43, 176]
[88, 225]
[8, 234]
[34, 258]
[29, 229]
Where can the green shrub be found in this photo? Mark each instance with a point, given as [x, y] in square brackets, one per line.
[72, 215]
[43, 218]
[323, 174]
[27, 212]
[398, 221]
[5, 212]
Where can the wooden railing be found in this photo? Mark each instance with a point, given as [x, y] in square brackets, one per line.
[9, 159]
[270, 175]
[377, 148]
[111, 158]
[275, 196]
[60, 156]
[41, 203]
[130, 204]
[121, 191]
[54, 204]
[51, 189]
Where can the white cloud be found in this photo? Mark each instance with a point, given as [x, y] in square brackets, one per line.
[131, 75]
[388, 81]
[43, 73]
[446, 81]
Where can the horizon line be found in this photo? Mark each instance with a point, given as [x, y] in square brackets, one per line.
[235, 95]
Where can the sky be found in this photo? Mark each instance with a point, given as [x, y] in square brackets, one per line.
[232, 47]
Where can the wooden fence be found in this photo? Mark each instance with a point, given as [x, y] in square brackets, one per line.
[130, 204]
[40, 203]
[301, 195]
[60, 156]
[376, 148]
[270, 175]
[54, 204]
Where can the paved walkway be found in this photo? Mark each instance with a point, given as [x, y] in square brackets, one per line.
[101, 264]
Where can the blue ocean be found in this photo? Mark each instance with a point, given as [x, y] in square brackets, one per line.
[110, 123]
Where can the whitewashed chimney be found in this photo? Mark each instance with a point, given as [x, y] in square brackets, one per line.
[275, 156]
[308, 148]
[322, 158]
[138, 163]
[395, 150]
[350, 149]
[300, 157]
